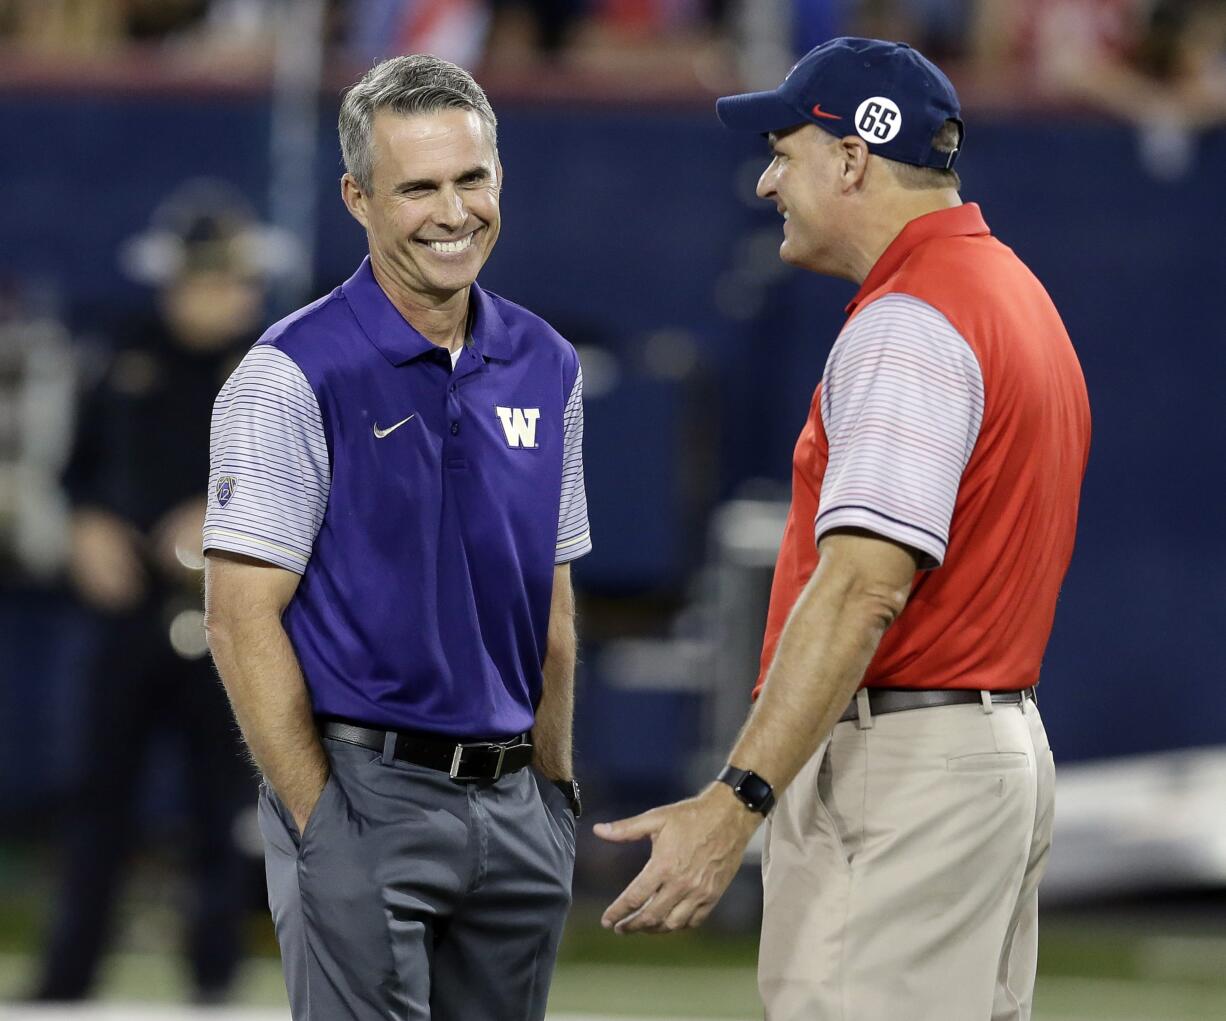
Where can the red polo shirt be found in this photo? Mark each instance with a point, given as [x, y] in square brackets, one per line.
[981, 619]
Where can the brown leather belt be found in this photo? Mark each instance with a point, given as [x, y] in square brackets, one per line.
[897, 700]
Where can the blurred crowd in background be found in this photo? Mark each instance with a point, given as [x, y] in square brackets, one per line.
[104, 412]
[1142, 60]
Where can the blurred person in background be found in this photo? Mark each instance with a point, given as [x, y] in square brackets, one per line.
[1170, 82]
[1158, 64]
[134, 481]
[215, 35]
[454, 30]
[37, 388]
[550, 21]
[83, 28]
[938, 27]
[37, 378]
[468, 32]
[97, 28]
[935, 494]
[1038, 36]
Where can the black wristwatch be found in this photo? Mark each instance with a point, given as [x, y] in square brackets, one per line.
[755, 793]
[571, 789]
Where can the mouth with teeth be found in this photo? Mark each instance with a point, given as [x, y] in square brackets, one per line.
[450, 247]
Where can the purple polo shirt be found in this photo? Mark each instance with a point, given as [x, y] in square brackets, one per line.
[424, 504]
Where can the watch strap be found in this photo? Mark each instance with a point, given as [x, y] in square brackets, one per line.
[571, 789]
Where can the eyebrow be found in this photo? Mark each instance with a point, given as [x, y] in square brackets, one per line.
[467, 177]
[773, 138]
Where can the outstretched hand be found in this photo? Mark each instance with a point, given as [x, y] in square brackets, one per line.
[697, 846]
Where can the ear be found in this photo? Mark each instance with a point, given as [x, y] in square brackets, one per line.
[853, 151]
[355, 199]
[498, 173]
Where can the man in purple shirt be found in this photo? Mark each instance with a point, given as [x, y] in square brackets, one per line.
[396, 494]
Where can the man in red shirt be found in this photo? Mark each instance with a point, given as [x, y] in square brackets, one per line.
[934, 505]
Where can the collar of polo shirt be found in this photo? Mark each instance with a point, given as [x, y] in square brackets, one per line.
[398, 341]
[958, 221]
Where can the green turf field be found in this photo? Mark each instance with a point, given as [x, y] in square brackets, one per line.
[663, 992]
[1090, 971]
[1156, 964]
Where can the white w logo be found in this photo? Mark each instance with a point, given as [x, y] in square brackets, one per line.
[519, 425]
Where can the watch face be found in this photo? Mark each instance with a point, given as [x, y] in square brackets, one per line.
[754, 791]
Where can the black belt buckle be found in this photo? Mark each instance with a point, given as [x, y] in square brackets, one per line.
[457, 761]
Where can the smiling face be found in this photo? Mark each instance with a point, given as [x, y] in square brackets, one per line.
[431, 215]
[804, 180]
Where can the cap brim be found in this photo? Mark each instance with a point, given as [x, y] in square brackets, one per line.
[762, 112]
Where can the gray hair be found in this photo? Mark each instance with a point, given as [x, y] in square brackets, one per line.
[410, 85]
[914, 178]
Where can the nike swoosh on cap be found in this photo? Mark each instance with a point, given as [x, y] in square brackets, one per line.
[819, 112]
[380, 433]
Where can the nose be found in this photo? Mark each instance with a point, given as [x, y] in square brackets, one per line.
[449, 212]
[766, 183]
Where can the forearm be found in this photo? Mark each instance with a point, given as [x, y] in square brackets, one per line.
[268, 694]
[698, 844]
[825, 649]
[554, 725]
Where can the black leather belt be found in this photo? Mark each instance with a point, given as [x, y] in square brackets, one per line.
[463, 761]
[896, 700]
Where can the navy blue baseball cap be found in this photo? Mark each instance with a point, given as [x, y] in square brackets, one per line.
[887, 93]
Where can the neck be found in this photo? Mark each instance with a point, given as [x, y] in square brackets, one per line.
[441, 319]
[885, 221]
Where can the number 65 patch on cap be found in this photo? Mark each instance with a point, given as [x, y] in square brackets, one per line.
[226, 485]
[878, 119]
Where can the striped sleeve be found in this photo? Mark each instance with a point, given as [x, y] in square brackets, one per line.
[269, 472]
[574, 535]
[902, 403]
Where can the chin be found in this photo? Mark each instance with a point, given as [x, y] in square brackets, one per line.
[788, 254]
[457, 279]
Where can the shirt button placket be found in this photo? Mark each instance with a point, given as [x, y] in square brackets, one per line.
[453, 407]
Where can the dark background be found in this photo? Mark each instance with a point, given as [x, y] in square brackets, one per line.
[635, 231]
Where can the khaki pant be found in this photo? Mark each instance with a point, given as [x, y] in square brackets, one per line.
[902, 866]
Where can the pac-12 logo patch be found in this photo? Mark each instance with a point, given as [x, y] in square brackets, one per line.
[878, 119]
[225, 489]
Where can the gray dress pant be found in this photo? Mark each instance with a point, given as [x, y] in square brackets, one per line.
[409, 897]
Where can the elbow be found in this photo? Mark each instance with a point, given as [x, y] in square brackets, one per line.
[869, 579]
[886, 606]
[882, 604]
[220, 627]
[216, 630]
[875, 604]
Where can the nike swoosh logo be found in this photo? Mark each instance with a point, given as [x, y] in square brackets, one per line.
[819, 112]
[380, 433]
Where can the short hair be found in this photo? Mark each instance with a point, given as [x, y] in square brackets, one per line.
[409, 85]
[947, 139]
